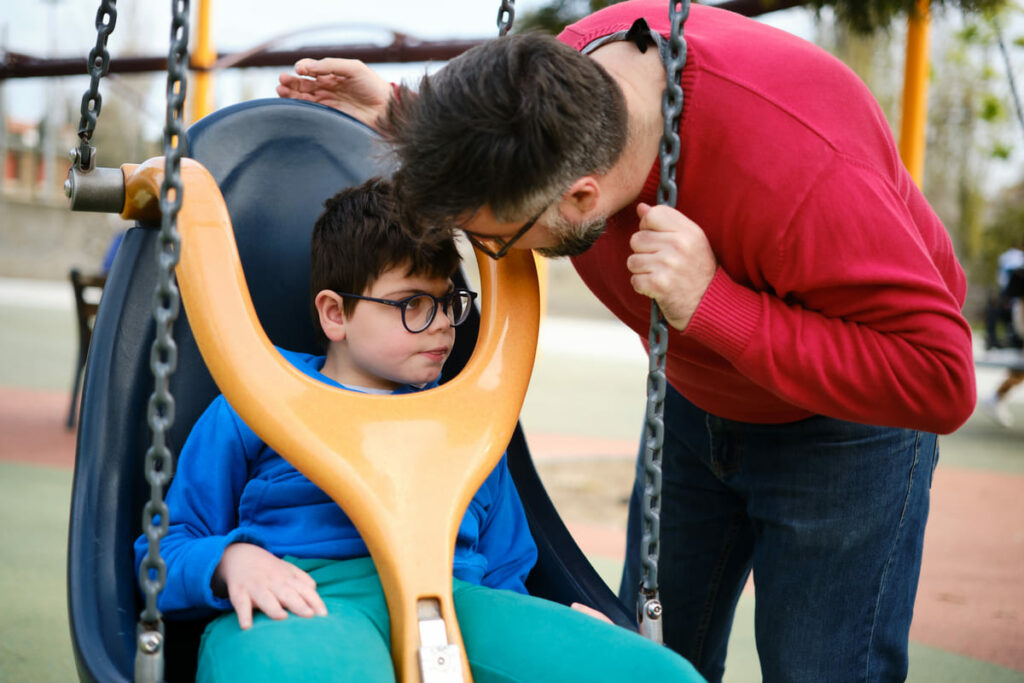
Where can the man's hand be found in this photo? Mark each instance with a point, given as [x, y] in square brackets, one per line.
[255, 578]
[672, 262]
[347, 85]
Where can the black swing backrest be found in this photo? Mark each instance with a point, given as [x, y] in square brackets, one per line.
[275, 161]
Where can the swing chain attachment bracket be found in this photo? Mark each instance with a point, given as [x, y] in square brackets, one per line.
[149, 655]
[649, 617]
[97, 189]
[440, 661]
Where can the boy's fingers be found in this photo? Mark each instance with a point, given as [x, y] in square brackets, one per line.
[580, 607]
[306, 586]
[295, 602]
[243, 608]
[269, 604]
[317, 603]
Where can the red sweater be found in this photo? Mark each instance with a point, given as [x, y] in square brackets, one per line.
[837, 292]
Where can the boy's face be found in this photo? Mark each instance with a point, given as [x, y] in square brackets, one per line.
[381, 353]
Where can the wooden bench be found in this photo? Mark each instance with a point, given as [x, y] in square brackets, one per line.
[88, 289]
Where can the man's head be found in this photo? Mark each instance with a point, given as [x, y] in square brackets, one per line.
[505, 130]
[359, 236]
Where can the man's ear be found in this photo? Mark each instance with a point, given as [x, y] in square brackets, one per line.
[329, 306]
[581, 199]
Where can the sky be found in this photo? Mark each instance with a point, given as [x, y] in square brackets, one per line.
[66, 28]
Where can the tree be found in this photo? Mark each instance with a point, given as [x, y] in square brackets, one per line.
[868, 16]
[1006, 227]
[558, 14]
[971, 141]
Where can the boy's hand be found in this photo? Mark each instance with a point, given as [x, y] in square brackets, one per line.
[672, 262]
[347, 85]
[580, 607]
[255, 578]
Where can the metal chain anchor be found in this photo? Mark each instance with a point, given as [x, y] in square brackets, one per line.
[149, 660]
[648, 606]
[83, 156]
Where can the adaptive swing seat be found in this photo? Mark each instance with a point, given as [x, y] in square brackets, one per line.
[275, 162]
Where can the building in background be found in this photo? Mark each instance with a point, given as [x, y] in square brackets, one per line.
[33, 166]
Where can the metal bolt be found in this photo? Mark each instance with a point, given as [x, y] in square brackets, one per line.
[73, 154]
[150, 641]
[654, 610]
[68, 188]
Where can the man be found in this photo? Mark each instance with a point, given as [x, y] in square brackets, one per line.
[817, 344]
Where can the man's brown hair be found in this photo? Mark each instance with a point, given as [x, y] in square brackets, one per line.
[509, 124]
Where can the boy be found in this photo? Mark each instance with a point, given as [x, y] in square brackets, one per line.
[250, 532]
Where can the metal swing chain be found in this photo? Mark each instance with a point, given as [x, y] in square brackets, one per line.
[649, 609]
[149, 662]
[83, 156]
[506, 15]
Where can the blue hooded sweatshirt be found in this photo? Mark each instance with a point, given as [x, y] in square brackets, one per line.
[230, 487]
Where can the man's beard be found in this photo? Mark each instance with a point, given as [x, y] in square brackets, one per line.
[573, 238]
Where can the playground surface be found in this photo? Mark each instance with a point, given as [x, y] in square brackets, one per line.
[582, 418]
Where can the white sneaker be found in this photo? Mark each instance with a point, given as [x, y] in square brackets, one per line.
[998, 410]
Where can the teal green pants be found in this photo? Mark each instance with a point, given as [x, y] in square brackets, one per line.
[508, 637]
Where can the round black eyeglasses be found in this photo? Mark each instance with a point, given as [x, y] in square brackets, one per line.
[418, 310]
[483, 243]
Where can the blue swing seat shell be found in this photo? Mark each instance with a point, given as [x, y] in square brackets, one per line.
[275, 161]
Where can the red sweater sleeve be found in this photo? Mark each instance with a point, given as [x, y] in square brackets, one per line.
[862, 317]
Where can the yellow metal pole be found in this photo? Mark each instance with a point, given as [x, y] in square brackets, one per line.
[202, 59]
[915, 92]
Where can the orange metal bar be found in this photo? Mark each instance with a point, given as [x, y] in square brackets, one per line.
[915, 91]
[404, 468]
[203, 58]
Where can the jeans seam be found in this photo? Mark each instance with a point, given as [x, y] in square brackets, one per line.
[889, 559]
[714, 588]
[703, 623]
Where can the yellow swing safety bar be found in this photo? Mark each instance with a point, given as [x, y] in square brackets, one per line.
[403, 468]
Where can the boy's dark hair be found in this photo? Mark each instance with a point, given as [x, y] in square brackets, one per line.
[510, 124]
[359, 236]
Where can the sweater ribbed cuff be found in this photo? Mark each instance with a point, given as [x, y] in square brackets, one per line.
[726, 317]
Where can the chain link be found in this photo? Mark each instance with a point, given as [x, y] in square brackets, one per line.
[92, 101]
[648, 602]
[506, 15]
[164, 352]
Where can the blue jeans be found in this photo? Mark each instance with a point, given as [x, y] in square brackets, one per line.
[828, 514]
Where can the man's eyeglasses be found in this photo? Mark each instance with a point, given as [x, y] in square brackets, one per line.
[418, 310]
[502, 245]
